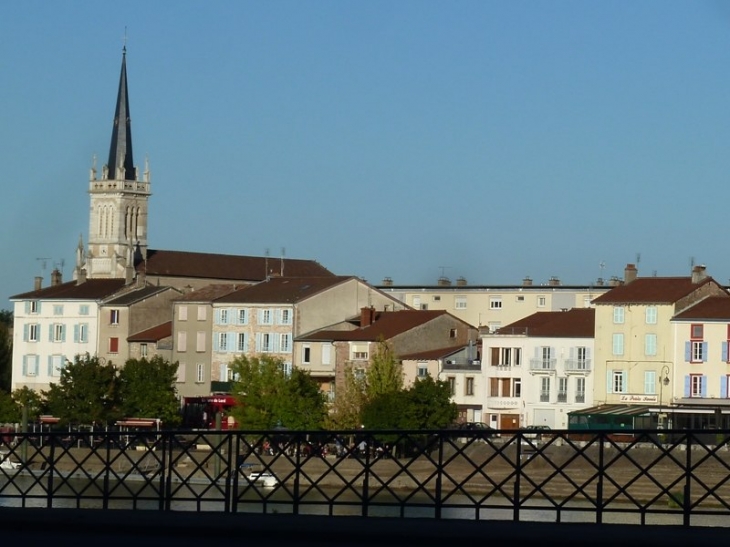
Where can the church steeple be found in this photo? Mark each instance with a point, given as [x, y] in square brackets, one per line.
[119, 199]
[120, 150]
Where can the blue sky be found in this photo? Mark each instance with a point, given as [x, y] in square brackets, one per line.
[490, 140]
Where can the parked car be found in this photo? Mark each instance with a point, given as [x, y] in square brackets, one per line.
[535, 432]
[484, 429]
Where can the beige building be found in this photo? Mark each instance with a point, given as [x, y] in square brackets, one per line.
[491, 307]
[636, 344]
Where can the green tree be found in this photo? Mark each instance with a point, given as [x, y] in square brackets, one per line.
[268, 397]
[30, 399]
[349, 403]
[429, 405]
[87, 392]
[147, 389]
[385, 372]
[6, 350]
[9, 410]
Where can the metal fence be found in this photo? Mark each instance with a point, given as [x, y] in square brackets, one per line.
[642, 477]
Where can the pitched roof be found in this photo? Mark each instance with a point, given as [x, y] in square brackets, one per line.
[137, 295]
[712, 308]
[153, 334]
[574, 323]
[282, 290]
[120, 149]
[232, 267]
[207, 293]
[91, 289]
[387, 324]
[652, 290]
[439, 353]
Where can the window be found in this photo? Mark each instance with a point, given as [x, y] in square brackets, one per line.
[495, 302]
[696, 384]
[287, 368]
[200, 341]
[469, 386]
[517, 388]
[417, 302]
[698, 352]
[541, 301]
[545, 358]
[520, 298]
[81, 333]
[697, 332]
[460, 302]
[580, 390]
[616, 383]
[267, 342]
[242, 345]
[202, 313]
[222, 317]
[545, 389]
[452, 385]
[285, 343]
[33, 306]
[180, 373]
[114, 345]
[360, 355]
[222, 341]
[56, 364]
[326, 354]
[265, 317]
[84, 309]
[452, 333]
[650, 344]
[651, 315]
[58, 332]
[505, 357]
[619, 314]
[286, 317]
[30, 365]
[582, 355]
[113, 317]
[306, 355]
[57, 309]
[618, 344]
[199, 373]
[143, 350]
[422, 371]
[33, 332]
[562, 390]
[182, 341]
[436, 298]
[650, 382]
[242, 316]
[182, 313]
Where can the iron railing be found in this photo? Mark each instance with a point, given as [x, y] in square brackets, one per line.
[642, 477]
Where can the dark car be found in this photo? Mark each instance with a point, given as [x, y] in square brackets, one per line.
[537, 432]
[482, 428]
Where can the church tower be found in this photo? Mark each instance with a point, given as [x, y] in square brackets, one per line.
[119, 201]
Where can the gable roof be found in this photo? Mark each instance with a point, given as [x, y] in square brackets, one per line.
[433, 354]
[207, 293]
[137, 295]
[282, 290]
[232, 267]
[153, 334]
[387, 324]
[652, 290]
[709, 309]
[91, 289]
[574, 323]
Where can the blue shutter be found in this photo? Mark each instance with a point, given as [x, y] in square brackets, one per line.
[277, 342]
[624, 381]
[703, 386]
[258, 342]
[216, 346]
[76, 333]
[25, 365]
[38, 307]
[723, 387]
[609, 383]
[50, 366]
[63, 333]
[687, 351]
[704, 352]
[724, 352]
[231, 341]
[25, 333]
[50, 332]
[245, 342]
[686, 386]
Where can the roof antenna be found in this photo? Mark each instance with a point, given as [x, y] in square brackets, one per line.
[124, 47]
[283, 252]
[43, 261]
[266, 264]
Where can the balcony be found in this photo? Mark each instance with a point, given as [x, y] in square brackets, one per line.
[578, 366]
[503, 402]
[465, 365]
[542, 365]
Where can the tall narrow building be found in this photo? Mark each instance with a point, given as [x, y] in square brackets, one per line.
[119, 201]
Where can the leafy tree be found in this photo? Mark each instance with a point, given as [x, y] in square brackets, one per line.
[267, 397]
[429, 405]
[6, 318]
[32, 400]
[147, 389]
[6, 357]
[87, 392]
[348, 406]
[385, 372]
[9, 411]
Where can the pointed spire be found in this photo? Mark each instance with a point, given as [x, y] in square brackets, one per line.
[120, 151]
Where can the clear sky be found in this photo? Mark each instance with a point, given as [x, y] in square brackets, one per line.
[490, 140]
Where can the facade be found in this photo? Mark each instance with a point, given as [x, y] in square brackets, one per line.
[637, 344]
[491, 307]
[153, 342]
[266, 318]
[539, 369]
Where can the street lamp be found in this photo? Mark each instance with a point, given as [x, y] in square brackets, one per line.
[663, 381]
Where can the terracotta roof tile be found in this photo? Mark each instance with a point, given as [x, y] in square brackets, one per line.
[219, 266]
[136, 295]
[574, 323]
[712, 308]
[652, 290]
[439, 353]
[208, 293]
[92, 289]
[153, 334]
[282, 290]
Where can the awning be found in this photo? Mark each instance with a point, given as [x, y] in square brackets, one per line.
[613, 410]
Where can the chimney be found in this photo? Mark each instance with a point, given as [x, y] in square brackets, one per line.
[56, 277]
[367, 316]
[37, 283]
[82, 276]
[554, 282]
[387, 282]
[630, 273]
[527, 282]
[461, 282]
[614, 281]
[444, 282]
[600, 282]
[698, 274]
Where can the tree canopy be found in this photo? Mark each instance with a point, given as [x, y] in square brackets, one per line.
[147, 389]
[268, 396]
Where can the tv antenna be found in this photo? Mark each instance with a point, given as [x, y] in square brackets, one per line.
[638, 258]
[601, 265]
[43, 261]
[443, 270]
